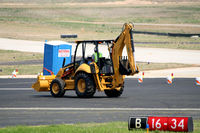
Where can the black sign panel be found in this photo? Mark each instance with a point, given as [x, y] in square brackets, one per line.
[137, 123]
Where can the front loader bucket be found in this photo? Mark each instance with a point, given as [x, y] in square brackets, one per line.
[43, 83]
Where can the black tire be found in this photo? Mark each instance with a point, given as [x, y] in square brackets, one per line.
[114, 92]
[60, 90]
[89, 88]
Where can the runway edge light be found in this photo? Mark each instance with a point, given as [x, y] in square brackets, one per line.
[176, 124]
[147, 128]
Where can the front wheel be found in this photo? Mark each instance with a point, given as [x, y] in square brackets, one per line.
[114, 92]
[84, 85]
[57, 87]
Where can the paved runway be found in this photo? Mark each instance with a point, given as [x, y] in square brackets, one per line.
[21, 105]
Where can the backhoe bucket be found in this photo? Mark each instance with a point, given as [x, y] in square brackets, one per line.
[43, 83]
[124, 67]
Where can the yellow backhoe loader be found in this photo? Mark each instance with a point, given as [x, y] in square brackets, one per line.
[84, 75]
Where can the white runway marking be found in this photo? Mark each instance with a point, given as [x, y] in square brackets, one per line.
[102, 109]
[15, 89]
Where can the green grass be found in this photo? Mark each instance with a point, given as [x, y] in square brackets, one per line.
[22, 69]
[173, 42]
[159, 66]
[7, 56]
[178, 14]
[11, 56]
[88, 31]
[36, 22]
[111, 127]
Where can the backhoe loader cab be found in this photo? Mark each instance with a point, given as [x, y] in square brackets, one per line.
[84, 54]
[85, 75]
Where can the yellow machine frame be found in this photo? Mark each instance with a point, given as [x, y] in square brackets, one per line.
[125, 39]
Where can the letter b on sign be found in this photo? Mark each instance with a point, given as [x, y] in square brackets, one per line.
[137, 122]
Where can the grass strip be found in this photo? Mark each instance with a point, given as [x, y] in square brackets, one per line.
[22, 69]
[110, 127]
[48, 22]
[11, 55]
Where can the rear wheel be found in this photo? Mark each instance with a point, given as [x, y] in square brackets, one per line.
[84, 85]
[57, 87]
[114, 92]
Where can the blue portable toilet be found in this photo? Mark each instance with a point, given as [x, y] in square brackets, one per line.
[54, 53]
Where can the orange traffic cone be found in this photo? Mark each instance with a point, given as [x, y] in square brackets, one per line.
[14, 74]
[197, 80]
[170, 78]
[140, 79]
[16, 71]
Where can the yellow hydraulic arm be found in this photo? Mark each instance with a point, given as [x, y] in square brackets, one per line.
[123, 67]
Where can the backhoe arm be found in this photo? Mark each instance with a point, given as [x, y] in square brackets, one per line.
[121, 65]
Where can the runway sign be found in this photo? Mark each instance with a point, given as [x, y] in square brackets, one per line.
[137, 122]
[176, 124]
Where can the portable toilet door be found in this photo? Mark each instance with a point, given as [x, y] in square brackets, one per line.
[54, 53]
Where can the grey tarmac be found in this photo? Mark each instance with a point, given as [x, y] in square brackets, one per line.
[21, 105]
